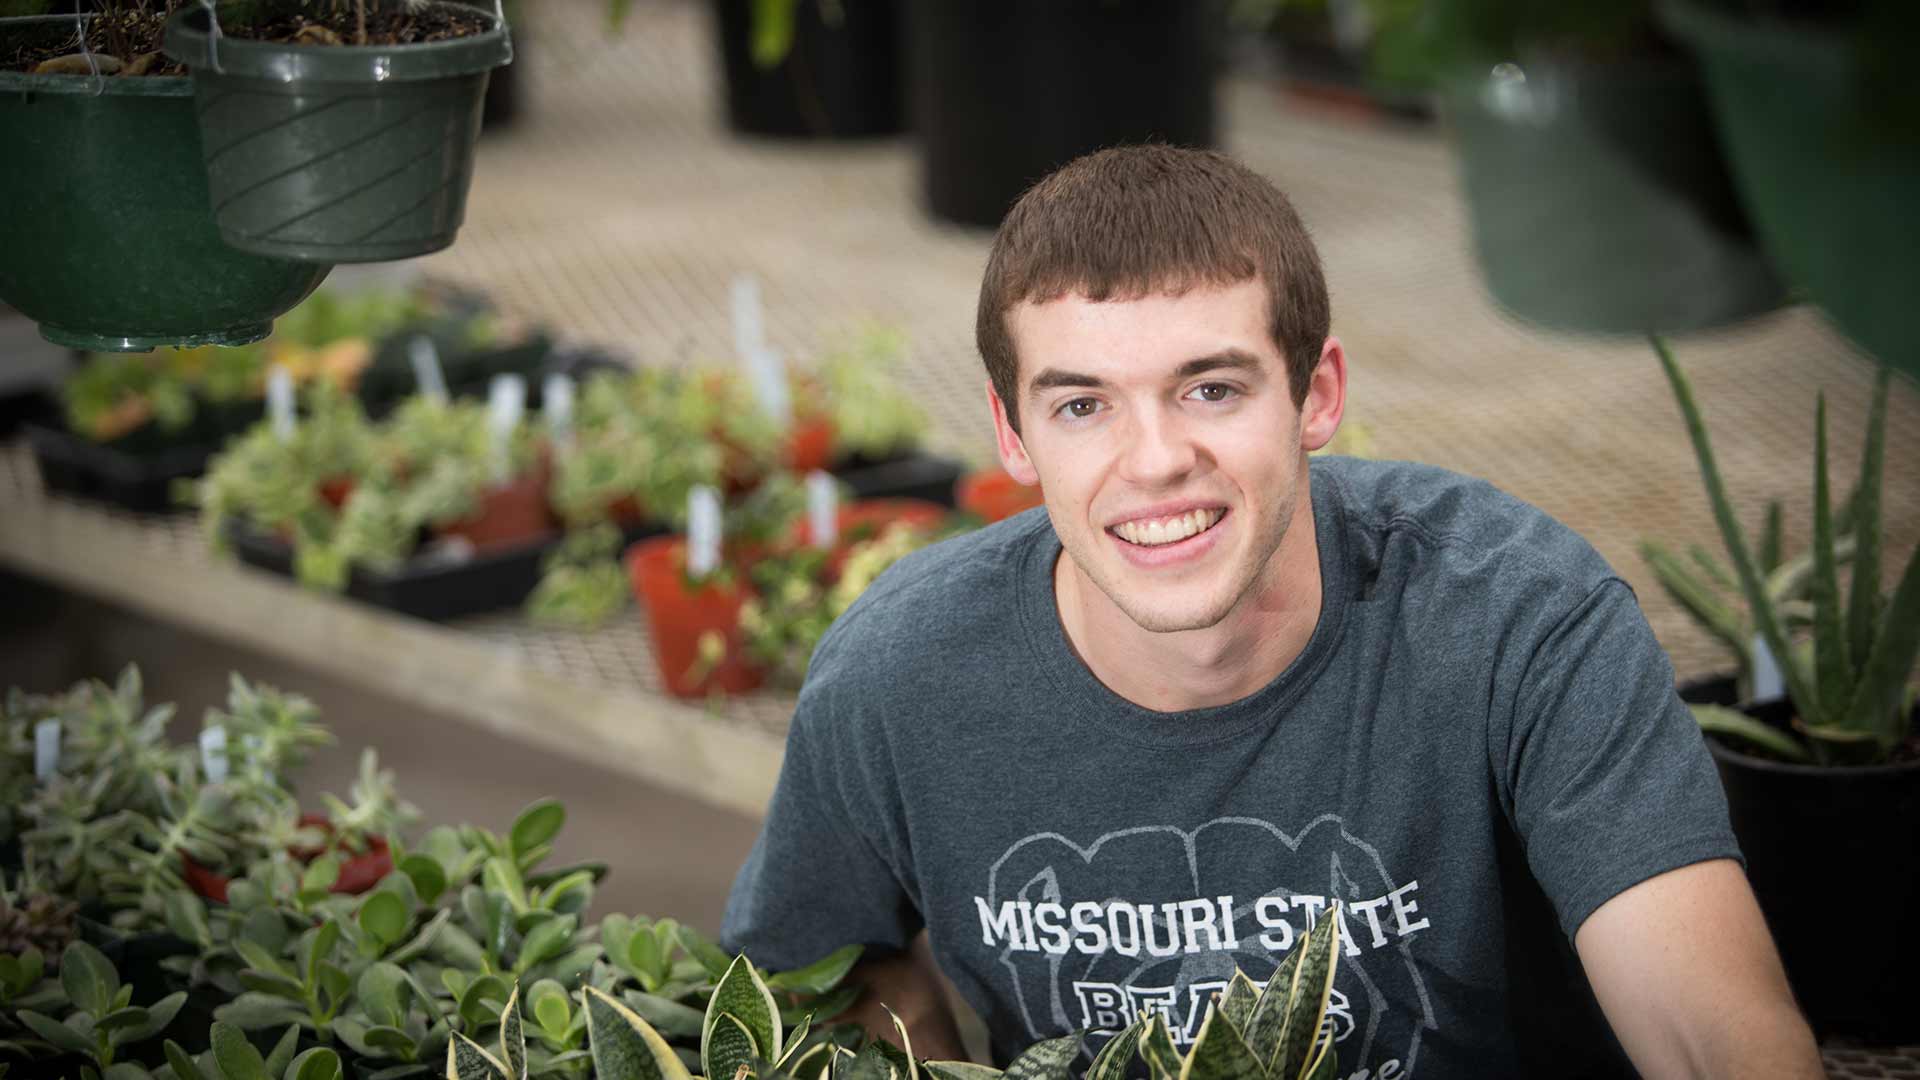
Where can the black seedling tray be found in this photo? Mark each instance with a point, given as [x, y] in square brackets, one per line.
[907, 476]
[142, 482]
[425, 587]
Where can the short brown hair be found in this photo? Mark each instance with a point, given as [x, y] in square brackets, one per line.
[1138, 220]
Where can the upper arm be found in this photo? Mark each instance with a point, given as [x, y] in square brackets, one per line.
[1687, 975]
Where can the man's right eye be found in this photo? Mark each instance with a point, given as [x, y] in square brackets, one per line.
[1079, 408]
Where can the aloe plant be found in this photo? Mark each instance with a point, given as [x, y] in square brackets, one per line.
[1850, 689]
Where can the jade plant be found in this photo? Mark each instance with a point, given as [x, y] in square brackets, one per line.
[93, 1015]
[1850, 685]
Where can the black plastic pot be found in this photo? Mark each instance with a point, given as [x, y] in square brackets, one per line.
[840, 80]
[1831, 855]
[1600, 201]
[908, 476]
[72, 464]
[1006, 91]
[338, 153]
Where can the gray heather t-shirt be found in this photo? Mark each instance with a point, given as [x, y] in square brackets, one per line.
[1480, 745]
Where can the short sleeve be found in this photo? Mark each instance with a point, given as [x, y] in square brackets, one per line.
[1606, 775]
[823, 873]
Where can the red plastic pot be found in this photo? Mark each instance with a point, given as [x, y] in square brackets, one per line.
[810, 445]
[334, 492]
[863, 520]
[358, 873]
[513, 515]
[996, 496]
[679, 615]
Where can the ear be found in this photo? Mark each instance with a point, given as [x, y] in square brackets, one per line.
[1013, 451]
[1326, 397]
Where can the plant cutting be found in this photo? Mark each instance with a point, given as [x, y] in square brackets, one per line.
[154, 271]
[341, 132]
[1828, 783]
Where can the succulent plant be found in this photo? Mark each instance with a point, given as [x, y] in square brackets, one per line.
[582, 583]
[99, 1019]
[872, 416]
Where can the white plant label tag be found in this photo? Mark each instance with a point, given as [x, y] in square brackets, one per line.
[556, 404]
[46, 749]
[253, 744]
[703, 531]
[823, 509]
[1768, 684]
[506, 404]
[213, 754]
[768, 374]
[749, 321]
[426, 369]
[280, 401]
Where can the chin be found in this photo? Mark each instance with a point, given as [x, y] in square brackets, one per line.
[1172, 616]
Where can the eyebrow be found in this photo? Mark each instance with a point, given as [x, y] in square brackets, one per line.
[1227, 359]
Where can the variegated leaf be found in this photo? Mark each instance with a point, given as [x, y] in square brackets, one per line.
[729, 1045]
[1307, 997]
[1115, 1057]
[1326, 1063]
[624, 1046]
[741, 993]
[1219, 1053]
[869, 1064]
[1237, 1002]
[959, 1070]
[801, 1063]
[468, 1060]
[1050, 1060]
[795, 1040]
[513, 1038]
[1262, 1030]
[911, 1071]
[1157, 1049]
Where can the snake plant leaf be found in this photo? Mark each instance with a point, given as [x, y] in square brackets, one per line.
[88, 978]
[795, 1040]
[282, 1055]
[743, 994]
[908, 1068]
[670, 1018]
[536, 826]
[871, 1063]
[1049, 1060]
[235, 1056]
[513, 1038]
[803, 1063]
[1238, 1000]
[820, 976]
[1833, 670]
[959, 1070]
[1307, 997]
[1219, 1053]
[1114, 1058]
[624, 1046]
[1878, 701]
[1158, 1051]
[727, 1047]
[1326, 1064]
[1863, 602]
[318, 1063]
[468, 1060]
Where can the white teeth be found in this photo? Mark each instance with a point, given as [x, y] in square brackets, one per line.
[1167, 530]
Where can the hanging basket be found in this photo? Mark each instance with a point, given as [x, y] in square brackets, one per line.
[1829, 169]
[108, 240]
[1599, 200]
[338, 153]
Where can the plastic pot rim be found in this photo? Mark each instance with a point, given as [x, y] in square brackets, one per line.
[144, 86]
[189, 42]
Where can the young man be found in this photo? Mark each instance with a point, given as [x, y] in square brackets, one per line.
[1105, 754]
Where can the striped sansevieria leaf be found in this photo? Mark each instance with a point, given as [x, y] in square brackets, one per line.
[742, 994]
[468, 1060]
[1238, 1000]
[1158, 1051]
[729, 1046]
[1112, 1062]
[1219, 1053]
[959, 1070]
[513, 1038]
[624, 1046]
[1049, 1060]
[1306, 997]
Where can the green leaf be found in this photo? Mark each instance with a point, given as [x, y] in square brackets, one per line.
[1863, 604]
[820, 976]
[392, 1040]
[552, 1009]
[502, 877]
[1049, 1060]
[482, 1002]
[672, 1019]
[324, 939]
[159, 1015]
[1270, 1012]
[1698, 599]
[1878, 703]
[1307, 996]
[1238, 1001]
[795, 1039]
[871, 1063]
[728, 1045]
[57, 1033]
[423, 940]
[125, 1070]
[282, 1055]
[1833, 672]
[321, 874]
[259, 959]
[538, 824]
[129, 1017]
[1116, 1057]
[570, 894]
[547, 940]
[643, 956]
[186, 916]
[624, 1046]
[1720, 720]
[513, 1039]
[1326, 1065]
[770, 29]
[959, 1070]
[334, 984]
[1219, 1053]
[382, 988]
[182, 1063]
[88, 978]
[468, 1060]
[1157, 1049]
[1771, 538]
[742, 994]
[253, 1011]
[429, 878]
[710, 957]
[265, 928]
[319, 1063]
[384, 917]
[237, 1058]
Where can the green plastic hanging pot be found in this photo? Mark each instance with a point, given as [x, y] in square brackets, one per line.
[1830, 171]
[337, 153]
[1599, 199]
[107, 240]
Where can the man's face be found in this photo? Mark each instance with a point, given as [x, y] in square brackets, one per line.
[1166, 441]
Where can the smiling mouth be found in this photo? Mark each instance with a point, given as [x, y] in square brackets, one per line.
[1159, 532]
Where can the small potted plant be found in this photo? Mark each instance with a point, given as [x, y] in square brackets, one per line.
[1825, 785]
[341, 131]
[692, 598]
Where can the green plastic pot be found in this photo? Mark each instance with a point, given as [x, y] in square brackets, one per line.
[337, 153]
[107, 240]
[1831, 176]
[1599, 199]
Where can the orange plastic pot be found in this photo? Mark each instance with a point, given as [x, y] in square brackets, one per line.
[334, 492]
[679, 615]
[513, 515]
[358, 873]
[996, 496]
[810, 445]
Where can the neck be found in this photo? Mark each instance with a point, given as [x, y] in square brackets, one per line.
[1216, 665]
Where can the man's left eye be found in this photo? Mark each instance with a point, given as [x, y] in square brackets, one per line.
[1213, 392]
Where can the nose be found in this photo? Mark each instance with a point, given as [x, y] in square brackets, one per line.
[1159, 451]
